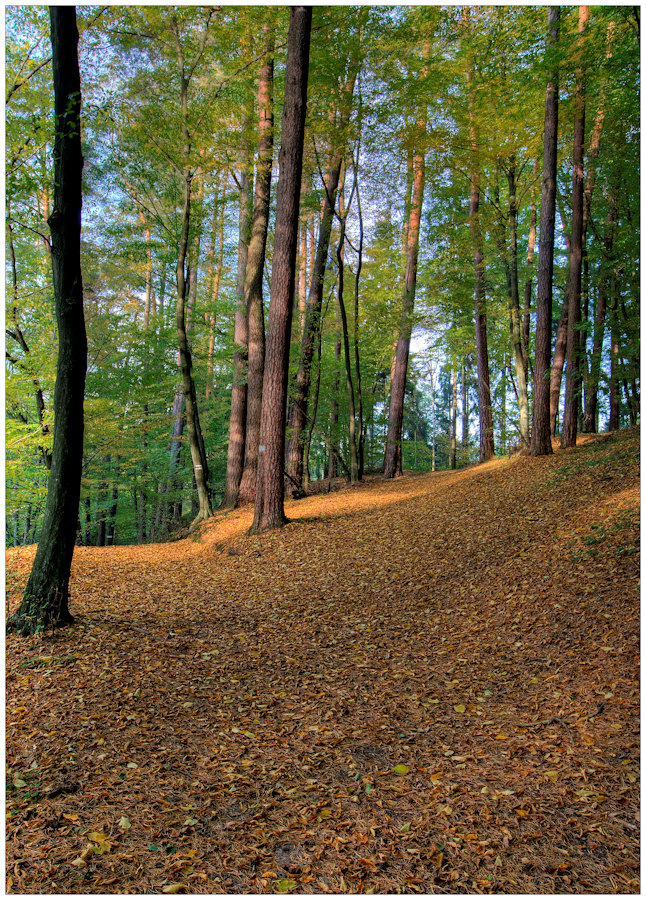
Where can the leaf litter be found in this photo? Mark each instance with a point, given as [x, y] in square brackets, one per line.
[426, 685]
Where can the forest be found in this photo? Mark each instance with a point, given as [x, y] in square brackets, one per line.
[323, 446]
[420, 325]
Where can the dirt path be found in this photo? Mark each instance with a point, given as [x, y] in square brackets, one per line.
[427, 685]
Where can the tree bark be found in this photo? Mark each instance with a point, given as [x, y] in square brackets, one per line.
[269, 509]
[454, 420]
[46, 597]
[485, 413]
[332, 467]
[238, 418]
[254, 273]
[393, 453]
[541, 443]
[298, 413]
[572, 380]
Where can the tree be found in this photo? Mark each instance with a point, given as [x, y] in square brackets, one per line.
[269, 507]
[46, 596]
[541, 443]
[573, 294]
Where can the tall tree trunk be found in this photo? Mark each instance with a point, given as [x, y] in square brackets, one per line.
[615, 397]
[112, 516]
[214, 284]
[332, 467]
[541, 443]
[269, 509]
[393, 452]
[527, 307]
[465, 407]
[454, 420]
[198, 455]
[357, 363]
[45, 600]
[298, 413]
[485, 413]
[238, 418]
[510, 260]
[312, 420]
[572, 380]
[254, 273]
[558, 363]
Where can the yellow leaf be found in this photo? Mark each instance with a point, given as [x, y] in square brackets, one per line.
[174, 888]
[400, 769]
[460, 708]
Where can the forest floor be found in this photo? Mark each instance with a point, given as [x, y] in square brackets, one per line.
[428, 685]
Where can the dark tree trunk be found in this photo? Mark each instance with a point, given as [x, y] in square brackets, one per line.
[527, 307]
[541, 443]
[361, 439]
[615, 396]
[112, 516]
[573, 380]
[312, 421]
[269, 509]
[46, 596]
[592, 387]
[393, 453]
[254, 274]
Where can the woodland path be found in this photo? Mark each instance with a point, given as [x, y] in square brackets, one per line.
[427, 685]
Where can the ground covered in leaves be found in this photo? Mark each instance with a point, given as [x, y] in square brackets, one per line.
[427, 685]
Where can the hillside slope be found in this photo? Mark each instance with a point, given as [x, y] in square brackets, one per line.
[428, 685]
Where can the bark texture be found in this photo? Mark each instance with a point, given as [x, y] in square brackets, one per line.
[254, 274]
[269, 509]
[573, 381]
[393, 453]
[541, 443]
[45, 601]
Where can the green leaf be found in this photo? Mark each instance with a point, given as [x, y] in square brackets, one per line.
[460, 707]
[285, 884]
[124, 822]
[400, 769]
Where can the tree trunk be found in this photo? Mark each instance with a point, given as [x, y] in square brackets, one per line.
[485, 413]
[558, 364]
[312, 421]
[454, 421]
[393, 452]
[46, 596]
[254, 273]
[214, 283]
[269, 502]
[572, 380]
[298, 413]
[541, 443]
[465, 407]
[357, 367]
[332, 467]
[238, 418]
[615, 399]
[527, 308]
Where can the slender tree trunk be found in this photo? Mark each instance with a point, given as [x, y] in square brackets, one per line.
[573, 381]
[214, 287]
[515, 325]
[298, 413]
[112, 517]
[269, 502]
[541, 443]
[312, 420]
[393, 453]
[454, 420]
[615, 399]
[465, 407]
[527, 308]
[357, 362]
[238, 418]
[332, 467]
[254, 274]
[45, 600]
[558, 364]
[485, 413]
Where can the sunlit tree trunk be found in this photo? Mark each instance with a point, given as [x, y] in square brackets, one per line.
[393, 452]
[238, 417]
[269, 509]
[254, 274]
